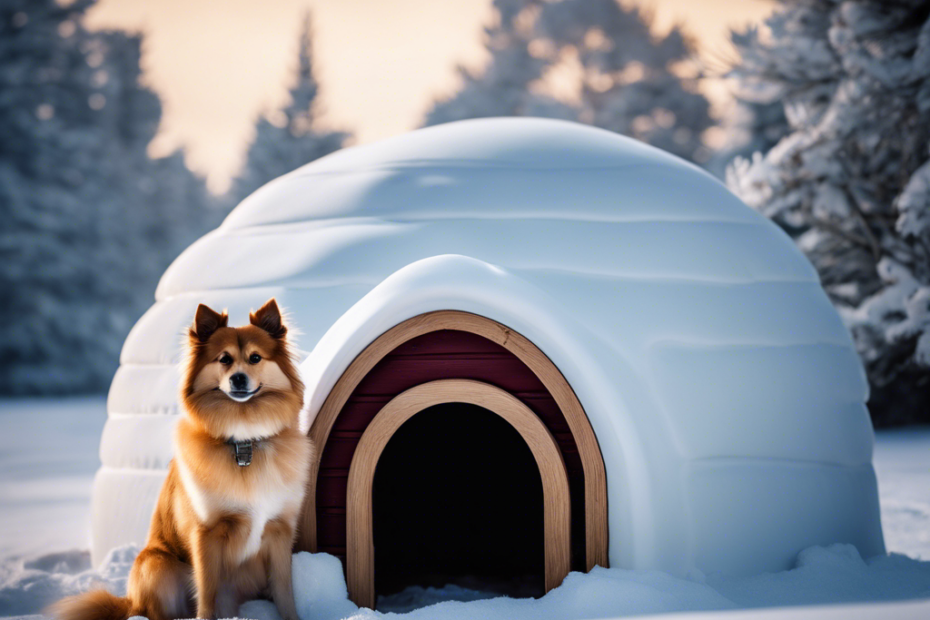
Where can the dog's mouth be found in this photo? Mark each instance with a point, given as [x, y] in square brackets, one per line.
[240, 396]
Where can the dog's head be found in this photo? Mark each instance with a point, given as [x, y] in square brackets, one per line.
[241, 382]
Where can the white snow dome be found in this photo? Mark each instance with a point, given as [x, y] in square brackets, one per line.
[724, 393]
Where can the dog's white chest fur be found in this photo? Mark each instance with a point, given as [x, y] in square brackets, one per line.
[269, 498]
[269, 504]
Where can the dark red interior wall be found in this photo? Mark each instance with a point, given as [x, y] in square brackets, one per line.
[446, 354]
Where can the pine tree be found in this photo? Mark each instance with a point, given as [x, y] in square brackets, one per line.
[625, 74]
[503, 88]
[852, 180]
[749, 127]
[45, 162]
[281, 147]
[756, 119]
[163, 206]
[84, 237]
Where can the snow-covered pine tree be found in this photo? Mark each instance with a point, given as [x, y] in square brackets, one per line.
[163, 205]
[852, 178]
[749, 127]
[756, 119]
[503, 88]
[625, 75]
[289, 141]
[84, 238]
[46, 165]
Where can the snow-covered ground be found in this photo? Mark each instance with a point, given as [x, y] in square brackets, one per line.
[902, 464]
[48, 455]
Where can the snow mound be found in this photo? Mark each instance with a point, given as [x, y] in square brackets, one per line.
[829, 575]
[320, 587]
[822, 575]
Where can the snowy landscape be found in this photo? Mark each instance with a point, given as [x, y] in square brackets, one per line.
[48, 457]
[718, 237]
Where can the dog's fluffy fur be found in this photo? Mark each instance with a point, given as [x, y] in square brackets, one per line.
[222, 534]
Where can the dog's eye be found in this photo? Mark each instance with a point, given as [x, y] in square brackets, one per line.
[255, 358]
[226, 359]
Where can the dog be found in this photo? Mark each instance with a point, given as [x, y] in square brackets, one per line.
[226, 518]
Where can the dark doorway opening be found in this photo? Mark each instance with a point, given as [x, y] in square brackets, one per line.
[457, 499]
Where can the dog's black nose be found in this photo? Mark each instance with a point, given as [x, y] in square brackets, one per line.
[239, 381]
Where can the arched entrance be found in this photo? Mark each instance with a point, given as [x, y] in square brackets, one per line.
[556, 503]
[451, 345]
[458, 500]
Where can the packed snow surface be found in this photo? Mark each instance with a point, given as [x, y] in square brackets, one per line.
[830, 575]
[902, 464]
[49, 454]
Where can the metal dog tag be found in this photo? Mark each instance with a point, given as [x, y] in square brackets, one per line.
[243, 452]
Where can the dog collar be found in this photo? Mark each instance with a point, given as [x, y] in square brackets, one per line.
[242, 450]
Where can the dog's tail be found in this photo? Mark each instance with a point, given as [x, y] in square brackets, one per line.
[93, 605]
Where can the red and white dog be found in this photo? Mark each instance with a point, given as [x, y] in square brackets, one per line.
[225, 521]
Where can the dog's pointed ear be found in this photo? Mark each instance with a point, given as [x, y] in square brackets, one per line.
[206, 322]
[268, 317]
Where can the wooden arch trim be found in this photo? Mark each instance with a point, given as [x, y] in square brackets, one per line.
[360, 558]
[595, 475]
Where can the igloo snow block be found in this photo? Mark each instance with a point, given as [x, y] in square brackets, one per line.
[666, 352]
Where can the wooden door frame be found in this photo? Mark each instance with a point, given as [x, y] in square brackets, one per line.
[360, 549]
[595, 475]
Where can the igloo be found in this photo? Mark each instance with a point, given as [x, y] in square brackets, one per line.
[679, 392]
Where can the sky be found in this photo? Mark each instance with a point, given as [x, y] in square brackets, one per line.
[218, 64]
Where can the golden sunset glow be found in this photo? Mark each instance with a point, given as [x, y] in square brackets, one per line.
[217, 64]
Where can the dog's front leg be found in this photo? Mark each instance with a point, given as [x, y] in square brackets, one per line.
[277, 541]
[214, 546]
[207, 563]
